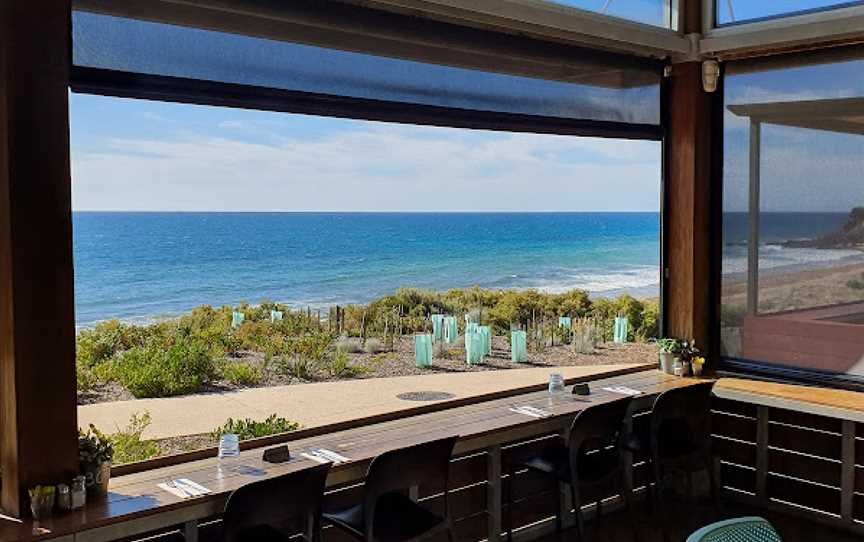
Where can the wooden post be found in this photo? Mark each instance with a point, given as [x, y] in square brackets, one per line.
[38, 425]
[688, 304]
[753, 218]
[762, 428]
[494, 499]
[847, 478]
[687, 210]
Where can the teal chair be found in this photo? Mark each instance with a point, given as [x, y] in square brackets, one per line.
[748, 529]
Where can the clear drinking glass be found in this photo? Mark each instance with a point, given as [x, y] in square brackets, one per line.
[556, 383]
[229, 449]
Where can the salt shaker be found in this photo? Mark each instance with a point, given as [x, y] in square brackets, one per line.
[79, 492]
[64, 497]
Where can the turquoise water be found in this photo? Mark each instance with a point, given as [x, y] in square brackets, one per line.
[143, 266]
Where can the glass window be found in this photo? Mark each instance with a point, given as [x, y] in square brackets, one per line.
[653, 12]
[346, 237]
[604, 92]
[732, 11]
[793, 221]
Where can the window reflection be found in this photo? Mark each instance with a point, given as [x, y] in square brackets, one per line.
[735, 11]
[793, 224]
[653, 12]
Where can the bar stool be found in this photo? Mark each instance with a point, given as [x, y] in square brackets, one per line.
[264, 511]
[679, 440]
[590, 460]
[387, 513]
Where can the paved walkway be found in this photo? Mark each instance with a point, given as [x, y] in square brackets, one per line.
[313, 404]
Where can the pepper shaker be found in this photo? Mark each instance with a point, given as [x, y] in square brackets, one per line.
[64, 497]
[79, 492]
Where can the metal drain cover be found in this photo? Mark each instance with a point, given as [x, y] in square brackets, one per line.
[425, 396]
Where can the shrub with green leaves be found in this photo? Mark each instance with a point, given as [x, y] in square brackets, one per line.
[248, 428]
[339, 366]
[240, 373]
[128, 444]
[153, 371]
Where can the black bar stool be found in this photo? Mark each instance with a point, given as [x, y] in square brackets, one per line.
[387, 513]
[590, 460]
[270, 510]
[679, 440]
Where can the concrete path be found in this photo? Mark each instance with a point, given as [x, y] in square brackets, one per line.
[313, 404]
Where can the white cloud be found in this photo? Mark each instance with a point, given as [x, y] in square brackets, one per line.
[378, 167]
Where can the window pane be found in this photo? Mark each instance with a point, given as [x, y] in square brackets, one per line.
[793, 265]
[653, 12]
[731, 11]
[129, 45]
[177, 206]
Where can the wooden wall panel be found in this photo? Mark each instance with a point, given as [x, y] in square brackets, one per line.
[37, 323]
[733, 407]
[811, 496]
[739, 478]
[797, 465]
[816, 443]
[803, 419]
[734, 427]
[733, 451]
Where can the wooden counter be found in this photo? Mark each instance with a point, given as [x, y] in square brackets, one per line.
[833, 403]
[135, 505]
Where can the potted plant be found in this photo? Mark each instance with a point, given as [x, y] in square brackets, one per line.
[686, 354]
[668, 348]
[41, 501]
[95, 452]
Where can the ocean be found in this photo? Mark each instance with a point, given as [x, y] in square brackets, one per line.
[144, 266]
[141, 267]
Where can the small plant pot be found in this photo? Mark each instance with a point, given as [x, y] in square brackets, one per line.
[666, 361]
[97, 476]
[42, 505]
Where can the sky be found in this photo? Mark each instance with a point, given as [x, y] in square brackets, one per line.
[139, 155]
[801, 169]
[651, 11]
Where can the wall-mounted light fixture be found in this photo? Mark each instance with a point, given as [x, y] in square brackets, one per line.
[710, 75]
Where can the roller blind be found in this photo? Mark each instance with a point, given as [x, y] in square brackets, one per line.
[462, 70]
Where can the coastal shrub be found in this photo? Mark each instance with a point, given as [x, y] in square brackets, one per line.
[856, 284]
[350, 345]
[373, 346]
[153, 371]
[339, 366]
[312, 346]
[649, 328]
[102, 342]
[605, 310]
[385, 357]
[298, 367]
[573, 303]
[239, 373]
[128, 444]
[248, 428]
[514, 307]
[85, 379]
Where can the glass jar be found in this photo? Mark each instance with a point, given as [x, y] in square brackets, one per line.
[556, 383]
[78, 493]
[64, 497]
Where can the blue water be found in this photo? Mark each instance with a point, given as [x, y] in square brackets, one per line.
[777, 227]
[143, 266]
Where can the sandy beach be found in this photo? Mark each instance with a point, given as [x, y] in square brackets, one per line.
[795, 287]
